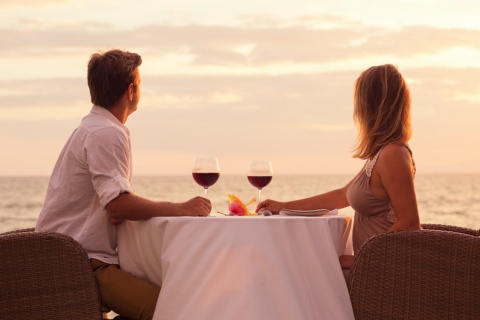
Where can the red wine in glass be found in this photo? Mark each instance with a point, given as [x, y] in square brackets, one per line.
[206, 179]
[259, 182]
[259, 174]
[206, 172]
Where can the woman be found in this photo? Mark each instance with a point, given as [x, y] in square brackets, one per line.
[382, 193]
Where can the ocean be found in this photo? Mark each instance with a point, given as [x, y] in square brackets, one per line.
[452, 199]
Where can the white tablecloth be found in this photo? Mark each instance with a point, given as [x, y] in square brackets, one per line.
[276, 267]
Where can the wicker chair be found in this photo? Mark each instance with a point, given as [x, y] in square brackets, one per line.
[18, 230]
[46, 275]
[432, 226]
[417, 274]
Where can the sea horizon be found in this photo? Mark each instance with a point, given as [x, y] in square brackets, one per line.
[244, 174]
[443, 198]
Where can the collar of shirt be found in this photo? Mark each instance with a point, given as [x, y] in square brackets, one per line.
[103, 112]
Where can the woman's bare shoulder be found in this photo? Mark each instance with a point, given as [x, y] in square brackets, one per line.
[395, 155]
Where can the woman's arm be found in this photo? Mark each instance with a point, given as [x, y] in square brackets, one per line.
[394, 172]
[335, 199]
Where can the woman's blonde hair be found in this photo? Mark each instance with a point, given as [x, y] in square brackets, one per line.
[381, 110]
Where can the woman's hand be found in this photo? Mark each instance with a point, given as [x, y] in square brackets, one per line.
[270, 205]
[346, 261]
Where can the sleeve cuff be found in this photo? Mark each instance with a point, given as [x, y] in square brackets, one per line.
[112, 188]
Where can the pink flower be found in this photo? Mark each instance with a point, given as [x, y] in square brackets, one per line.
[236, 208]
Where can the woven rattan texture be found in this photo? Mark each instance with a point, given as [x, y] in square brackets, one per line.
[445, 227]
[45, 276]
[417, 274]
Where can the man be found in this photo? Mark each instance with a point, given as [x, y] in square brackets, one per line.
[90, 189]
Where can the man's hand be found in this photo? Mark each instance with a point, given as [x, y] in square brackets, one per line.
[115, 221]
[197, 206]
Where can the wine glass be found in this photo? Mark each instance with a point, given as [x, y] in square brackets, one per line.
[259, 174]
[206, 172]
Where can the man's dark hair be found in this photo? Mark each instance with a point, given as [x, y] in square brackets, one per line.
[109, 75]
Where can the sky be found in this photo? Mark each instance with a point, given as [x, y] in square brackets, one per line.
[241, 80]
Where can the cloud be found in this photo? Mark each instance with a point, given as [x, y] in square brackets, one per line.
[288, 118]
[30, 3]
[254, 96]
[317, 40]
[56, 94]
[441, 89]
[278, 87]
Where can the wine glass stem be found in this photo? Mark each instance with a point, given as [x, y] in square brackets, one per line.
[259, 195]
[206, 189]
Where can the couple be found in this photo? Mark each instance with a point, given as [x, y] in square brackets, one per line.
[90, 189]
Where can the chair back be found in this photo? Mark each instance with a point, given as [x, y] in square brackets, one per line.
[46, 275]
[433, 226]
[417, 274]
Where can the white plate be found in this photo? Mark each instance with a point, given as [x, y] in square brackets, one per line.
[308, 213]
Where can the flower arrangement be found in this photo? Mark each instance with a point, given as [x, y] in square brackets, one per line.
[237, 208]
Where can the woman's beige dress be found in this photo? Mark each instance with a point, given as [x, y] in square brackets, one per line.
[373, 214]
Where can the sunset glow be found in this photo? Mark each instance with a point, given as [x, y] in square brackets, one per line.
[276, 77]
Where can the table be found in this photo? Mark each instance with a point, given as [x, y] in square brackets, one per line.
[274, 267]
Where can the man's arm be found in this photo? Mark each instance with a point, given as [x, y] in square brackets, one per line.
[128, 206]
